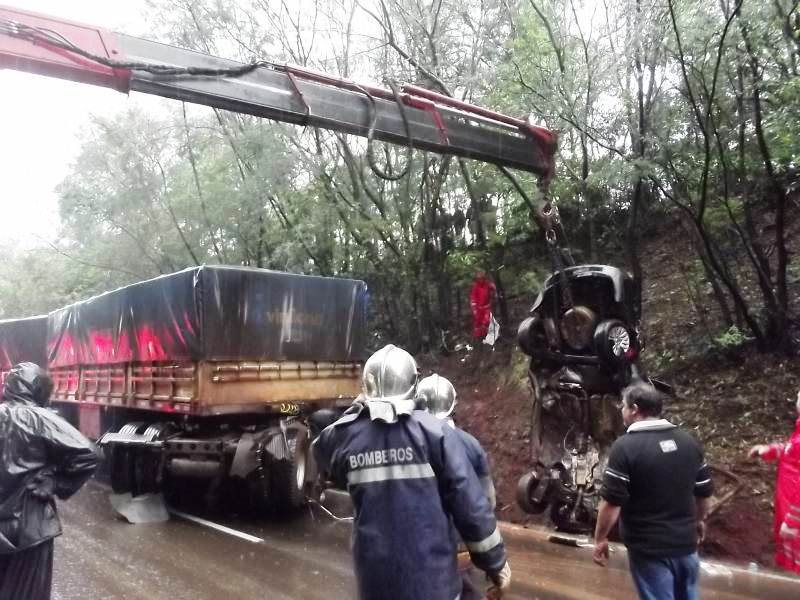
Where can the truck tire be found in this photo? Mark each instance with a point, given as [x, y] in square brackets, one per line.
[288, 476]
[135, 469]
[121, 470]
[257, 493]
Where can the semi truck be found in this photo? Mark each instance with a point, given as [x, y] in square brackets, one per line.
[203, 377]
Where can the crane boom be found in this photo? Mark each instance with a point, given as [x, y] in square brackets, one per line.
[405, 115]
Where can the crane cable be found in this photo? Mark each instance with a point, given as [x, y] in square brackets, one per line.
[373, 120]
[43, 36]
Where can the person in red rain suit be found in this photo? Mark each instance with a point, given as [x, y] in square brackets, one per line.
[787, 496]
[480, 301]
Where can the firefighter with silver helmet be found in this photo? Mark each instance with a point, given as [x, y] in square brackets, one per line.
[408, 476]
[437, 396]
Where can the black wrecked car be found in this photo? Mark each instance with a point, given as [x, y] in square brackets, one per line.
[584, 340]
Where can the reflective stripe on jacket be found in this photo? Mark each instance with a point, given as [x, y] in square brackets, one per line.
[407, 480]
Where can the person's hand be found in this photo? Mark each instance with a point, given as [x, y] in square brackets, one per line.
[501, 580]
[600, 552]
[701, 531]
[42, 486]
[759, 450]
[788, 533]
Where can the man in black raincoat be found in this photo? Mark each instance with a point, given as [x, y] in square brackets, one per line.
[41, 456]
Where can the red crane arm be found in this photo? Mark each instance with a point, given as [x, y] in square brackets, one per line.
[406, 115]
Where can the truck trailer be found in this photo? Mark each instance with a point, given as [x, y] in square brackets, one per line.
[203, 377]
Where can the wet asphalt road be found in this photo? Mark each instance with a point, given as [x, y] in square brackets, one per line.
[102, 558]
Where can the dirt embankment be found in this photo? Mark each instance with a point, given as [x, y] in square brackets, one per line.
[497, 411]
[729, 406]
[729, 398]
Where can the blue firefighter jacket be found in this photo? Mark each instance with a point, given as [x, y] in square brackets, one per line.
[408, 478]
[476, 456]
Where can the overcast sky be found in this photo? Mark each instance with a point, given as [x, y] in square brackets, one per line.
[41, 117]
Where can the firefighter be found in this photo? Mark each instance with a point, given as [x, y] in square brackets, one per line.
[41, 457]
[480, 301]
[408, 476]
[787, 495]
[437, 396]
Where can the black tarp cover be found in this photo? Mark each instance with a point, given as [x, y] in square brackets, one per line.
[214, 313]
[23, 340]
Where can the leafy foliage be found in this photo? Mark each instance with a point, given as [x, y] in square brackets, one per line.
[668, 111]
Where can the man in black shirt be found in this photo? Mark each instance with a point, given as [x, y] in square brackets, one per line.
[658, 482]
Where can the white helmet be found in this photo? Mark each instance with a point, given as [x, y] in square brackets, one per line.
[436, 395]
[390, 374]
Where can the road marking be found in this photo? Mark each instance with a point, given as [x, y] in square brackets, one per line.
[537, 534]
[760, 572]
[217, 527]
[715, 569]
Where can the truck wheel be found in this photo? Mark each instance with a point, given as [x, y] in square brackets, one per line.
[146, 478]
[257, 497]
[147, 466]
[121, 467]
[288, 476]
[134, 469]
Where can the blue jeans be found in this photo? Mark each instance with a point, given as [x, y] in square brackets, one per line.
[665, 578]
